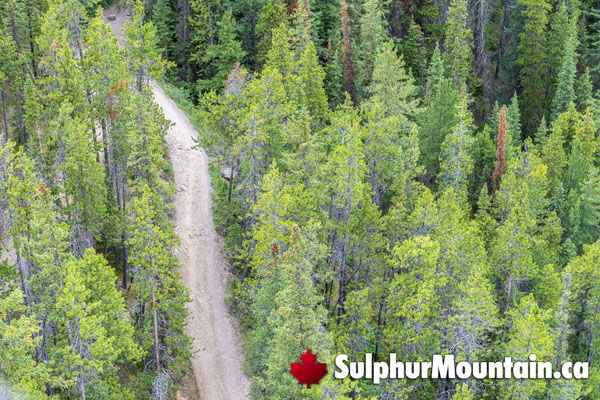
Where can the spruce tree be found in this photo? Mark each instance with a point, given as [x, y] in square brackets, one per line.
[224, 54]
[163, 18]
[348, 54]
[532, 60]
[529, 333]
[438, 117]
[272, 15]
[565, 91]
[459, 52]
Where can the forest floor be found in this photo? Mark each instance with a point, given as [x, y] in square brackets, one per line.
[217, 365]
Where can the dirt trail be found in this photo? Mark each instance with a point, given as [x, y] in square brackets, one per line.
[218, 364]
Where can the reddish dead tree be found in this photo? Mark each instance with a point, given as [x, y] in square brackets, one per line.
[349, 68]
[500, 167]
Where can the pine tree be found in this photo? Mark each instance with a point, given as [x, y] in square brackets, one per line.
[513, 128]
[163, 19]
[413, 302]
[591, 38]
[83, 181]
[392, 85]
[311, 86]
[438, 117]
[202, 20]
[18, 344]
[372, 36]
[159, 290]
[459, 52]
[296, 322]
[532, 60]
[584, 91]
[584, 308]
[223, 54]
[97, 333]
[142, 50]
[348, 54]
[270, 235]
[529, 334]
[270, 18]
[280, 56]
[10, 74]
[456, 161]
[565, 91]
[302, 27]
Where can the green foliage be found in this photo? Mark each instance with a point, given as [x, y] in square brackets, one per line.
[565, 92]
[459, 52]
[369, 223]
[223, 54]
[438, 117]
[532, 60]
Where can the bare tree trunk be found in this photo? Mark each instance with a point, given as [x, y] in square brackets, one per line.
[501, 44]
[155, 326]
[5, 136]
[121, 203]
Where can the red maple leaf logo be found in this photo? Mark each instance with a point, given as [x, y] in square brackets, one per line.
[309, 371]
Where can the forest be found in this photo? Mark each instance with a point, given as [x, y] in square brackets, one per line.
[390, 176]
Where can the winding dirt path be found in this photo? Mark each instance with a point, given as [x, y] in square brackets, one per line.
[217, 365]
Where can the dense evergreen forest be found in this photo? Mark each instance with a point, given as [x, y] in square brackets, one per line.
[411, 177]
[415, 177]
[85, 189]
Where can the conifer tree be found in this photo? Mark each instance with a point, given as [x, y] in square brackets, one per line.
[438, 117]
[348, 54]
[163, 18]
[223, 54]
[456, 161]
[297, 321]
[142, 51]
[280, 55]
[372, 36]
[272, 15]
[312, 92]
[591, 38]
[584, 310]
[529, 334]
[302, 32]
[532, 60]
[270, 235]
[97, 334]
[159, 291]
[584, 92]
[565, 91]
[513, 127]
[83, 181]
[202, 20]
[392, 85]
[459, 52]
[18, 344]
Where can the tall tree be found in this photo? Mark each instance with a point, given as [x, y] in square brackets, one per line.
[532, 60]
[223, 54]
[348, 54]
[458, 44]
[565, 91]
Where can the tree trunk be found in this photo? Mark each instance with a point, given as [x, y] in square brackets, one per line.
[501, 44]
[155, 326]
[121, 203]
[5, 136]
